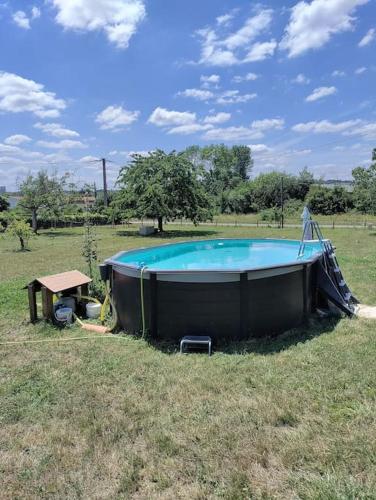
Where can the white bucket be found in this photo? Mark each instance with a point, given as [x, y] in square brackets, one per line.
[93, 310]
[64, 314]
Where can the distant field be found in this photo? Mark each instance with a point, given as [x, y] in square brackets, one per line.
[103, 418]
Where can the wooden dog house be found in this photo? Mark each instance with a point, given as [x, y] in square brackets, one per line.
[71, 282]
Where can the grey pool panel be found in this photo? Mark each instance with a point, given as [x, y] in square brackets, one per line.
[225, 305]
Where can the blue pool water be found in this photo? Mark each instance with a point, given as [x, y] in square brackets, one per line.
[232, 254]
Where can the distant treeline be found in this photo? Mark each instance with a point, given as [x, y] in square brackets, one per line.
[194, 184]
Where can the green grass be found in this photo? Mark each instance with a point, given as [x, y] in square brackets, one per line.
[292, 417]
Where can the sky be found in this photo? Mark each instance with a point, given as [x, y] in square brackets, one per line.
[86, 79]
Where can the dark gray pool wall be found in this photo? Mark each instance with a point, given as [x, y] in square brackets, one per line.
[224, 305]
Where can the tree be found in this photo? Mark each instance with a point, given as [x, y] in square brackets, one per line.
[224, 169]
[4, 204]
[328, 201]
[243, 161]
[304, 181]
[89, 247]
[238, 200]
[42, 191]
[269, 189]
[21, 230]
[364, 193]
[163, 186]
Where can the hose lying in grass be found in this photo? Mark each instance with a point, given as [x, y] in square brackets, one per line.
[40, 341]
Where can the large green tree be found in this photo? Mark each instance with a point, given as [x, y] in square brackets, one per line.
[163, 186]
[4, 203]
[226, 168]
[328, 201]
[42, 191]
[364, 194]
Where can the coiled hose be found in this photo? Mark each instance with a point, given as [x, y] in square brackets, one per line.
[108, 301]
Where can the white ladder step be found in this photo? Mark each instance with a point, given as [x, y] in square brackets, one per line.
[342, 283]
[348, 296]
[332, 256]
[336, 269]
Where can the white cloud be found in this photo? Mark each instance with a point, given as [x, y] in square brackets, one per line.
[209, 81]
[9, 149]
[245, 78]
[56, 130]
[218, 118]
[115, 118]
[259, 148]
[360, 71]
[64, 144]
[18, 95]
[225, 19]
[321, 92]
[17, 139]
[167, 118]
[88, 159]
[325, 126]
[191, 128]
[226, 97]
[313, 24]
[232, 134]
[198, 94]
[234, 97]
[268, 123]
[260, 51]
[185, 122]
[21, 19]
[119, 19]
[253, 27]
[229, 49]
[35, 12]
[301, 79]
[338, 73]
[368, 38]
[255, 131]
[129, 154]
[366, 130]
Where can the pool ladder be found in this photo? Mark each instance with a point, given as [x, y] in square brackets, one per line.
[330, 260]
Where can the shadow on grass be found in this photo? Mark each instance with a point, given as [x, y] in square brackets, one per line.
[170, 234]
[267, 345]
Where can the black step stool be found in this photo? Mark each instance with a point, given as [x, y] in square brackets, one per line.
[195, 341]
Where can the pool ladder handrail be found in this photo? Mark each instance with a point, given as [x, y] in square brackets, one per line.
[315, 228]
[330, 261]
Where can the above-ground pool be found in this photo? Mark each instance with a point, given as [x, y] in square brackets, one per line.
[230, 289]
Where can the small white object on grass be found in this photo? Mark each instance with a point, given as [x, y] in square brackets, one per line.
[364, 311]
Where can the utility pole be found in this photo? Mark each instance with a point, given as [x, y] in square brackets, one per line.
[105, 199]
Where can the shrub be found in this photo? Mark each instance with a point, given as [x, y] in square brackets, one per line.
[21, 230]
[328, 201]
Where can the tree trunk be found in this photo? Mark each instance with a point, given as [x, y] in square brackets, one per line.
[160, 224]
[22, 243]
[34, 222]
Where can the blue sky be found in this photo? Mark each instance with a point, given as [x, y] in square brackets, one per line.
[83, 79]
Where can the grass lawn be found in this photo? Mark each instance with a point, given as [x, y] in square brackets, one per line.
[108, 418]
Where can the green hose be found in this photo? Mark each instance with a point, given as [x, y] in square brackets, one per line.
[142, 300]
